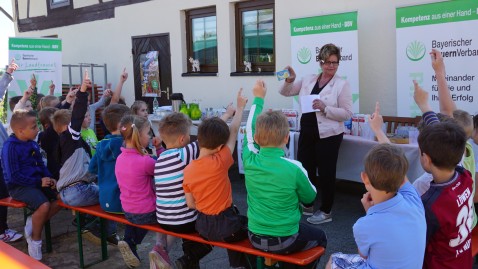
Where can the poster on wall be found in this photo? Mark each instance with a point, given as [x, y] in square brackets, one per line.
[309, 34]
[450, 27]
[39, 63]
[150, 74]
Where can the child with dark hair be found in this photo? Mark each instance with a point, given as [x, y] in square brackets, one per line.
[48, 140]
[27, 178]
[207, 186]
[449, 200]
[172, 211]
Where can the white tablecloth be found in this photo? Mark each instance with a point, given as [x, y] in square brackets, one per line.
[353, 150]
[351, 154]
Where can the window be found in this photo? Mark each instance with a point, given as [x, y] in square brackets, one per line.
[255, 36]
[59, 3]
[202, 39]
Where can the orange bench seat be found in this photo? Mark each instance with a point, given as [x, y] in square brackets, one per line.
[300, 258]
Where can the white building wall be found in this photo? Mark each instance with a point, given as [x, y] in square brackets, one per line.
[109, 41]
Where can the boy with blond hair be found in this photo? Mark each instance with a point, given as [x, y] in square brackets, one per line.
[276, 186]
[207, 185]
[27, 178]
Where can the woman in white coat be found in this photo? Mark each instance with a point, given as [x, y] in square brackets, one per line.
[322, 132]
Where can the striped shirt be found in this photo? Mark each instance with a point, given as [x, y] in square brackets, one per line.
[171, 207]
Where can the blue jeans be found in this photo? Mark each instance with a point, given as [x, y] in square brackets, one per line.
[85, 194]
[134, 235]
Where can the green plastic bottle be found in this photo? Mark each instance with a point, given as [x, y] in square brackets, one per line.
[184, 109]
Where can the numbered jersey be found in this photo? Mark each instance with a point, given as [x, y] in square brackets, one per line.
[449, 214]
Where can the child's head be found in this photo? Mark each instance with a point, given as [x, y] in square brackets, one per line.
[24, 124]
[120, 101]
[272, 129]
[39, 97]
[385, 168]
[14, 100]
[442, 145]
[140, 108]
[213, 133]
[49, 101]
[465, 120]
[174, 130]
[61, 118]
[112, 116]
[45, 116]
[87, 120]
[135, 131]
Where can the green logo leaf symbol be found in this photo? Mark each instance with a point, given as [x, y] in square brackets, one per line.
[18, 57]
[304, 55]
[415, 51]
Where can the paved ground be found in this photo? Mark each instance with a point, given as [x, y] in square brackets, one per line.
[346, 211]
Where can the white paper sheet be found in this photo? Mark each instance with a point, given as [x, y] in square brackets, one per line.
[306, 102]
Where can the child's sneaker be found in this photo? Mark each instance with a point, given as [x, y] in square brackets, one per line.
[307, 211]
[319, 217]
[28, 228]
[34, 249]
[10, 236]
[159, 258]
[129, 254]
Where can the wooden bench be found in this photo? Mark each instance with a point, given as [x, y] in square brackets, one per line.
[244, 246]
[9, 202]
[13, 258]
[394, 122]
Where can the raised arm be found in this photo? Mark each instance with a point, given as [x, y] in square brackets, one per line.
[376, 121]
[117, 93]
[447, 106]
[7, 78]
[80, 108]
[51, 88]
[421, 98]
[236, 121]
[22, 102]
[249, 146]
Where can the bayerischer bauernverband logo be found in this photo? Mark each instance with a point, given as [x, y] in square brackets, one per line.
[415, 51]
[304, 55]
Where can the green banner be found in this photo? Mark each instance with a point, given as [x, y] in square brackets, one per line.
[324, 24]
[443, 12]
[43, 44]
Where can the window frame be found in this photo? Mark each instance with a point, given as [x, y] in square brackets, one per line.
[194, 14]
[241, 7]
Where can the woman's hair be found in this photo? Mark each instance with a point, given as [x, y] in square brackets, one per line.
[136, 106]
[475, 121]
[130, 128]
[328, 50]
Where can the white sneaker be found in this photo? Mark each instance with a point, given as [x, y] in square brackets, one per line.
[10, 236]
[34, 249]
[319, 217]
[28, 228]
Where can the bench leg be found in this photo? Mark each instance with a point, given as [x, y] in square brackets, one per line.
[48, 237]
[259, 262]
[80, 239]
[104, 247]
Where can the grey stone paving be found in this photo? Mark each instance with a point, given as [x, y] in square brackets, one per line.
[346, 210]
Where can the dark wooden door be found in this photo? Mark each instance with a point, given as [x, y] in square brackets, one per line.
[142, 45]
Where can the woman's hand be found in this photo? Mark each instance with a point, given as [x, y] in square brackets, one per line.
[319, 104]
[292, 74]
